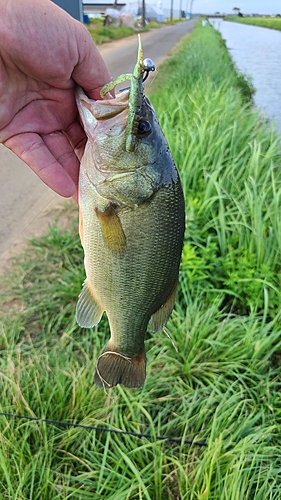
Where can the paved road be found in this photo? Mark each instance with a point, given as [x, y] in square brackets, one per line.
[24, 200]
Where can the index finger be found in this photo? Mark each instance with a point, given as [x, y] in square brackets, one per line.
[31, 148]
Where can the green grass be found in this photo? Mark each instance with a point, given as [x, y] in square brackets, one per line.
[265, 22]
[222, 385]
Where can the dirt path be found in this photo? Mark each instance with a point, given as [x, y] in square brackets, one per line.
[27, 206]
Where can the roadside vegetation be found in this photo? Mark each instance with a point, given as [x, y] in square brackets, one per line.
[222, 384]
[102, 34]
[265, 22]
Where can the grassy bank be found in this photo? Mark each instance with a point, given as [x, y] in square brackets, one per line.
[265, 22]
[222, 386]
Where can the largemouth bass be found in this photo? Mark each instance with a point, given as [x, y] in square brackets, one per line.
[131, 226]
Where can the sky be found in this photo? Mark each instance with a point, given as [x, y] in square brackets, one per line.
[226, 6]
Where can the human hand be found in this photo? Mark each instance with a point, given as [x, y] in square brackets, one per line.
[44, 53]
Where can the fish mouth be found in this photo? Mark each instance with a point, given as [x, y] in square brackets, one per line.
[136, 97]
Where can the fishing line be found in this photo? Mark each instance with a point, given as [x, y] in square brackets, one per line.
[104, 429]
[164, 329]
[152, 78]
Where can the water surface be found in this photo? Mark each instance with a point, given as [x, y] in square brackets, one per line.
[256, 52]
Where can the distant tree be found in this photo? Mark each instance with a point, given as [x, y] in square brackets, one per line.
[236, 9]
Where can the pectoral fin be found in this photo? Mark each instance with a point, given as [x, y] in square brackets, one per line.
[112, 230]
[88, 311]
[160, 317]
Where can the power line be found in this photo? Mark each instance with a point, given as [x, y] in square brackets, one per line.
[105, 429]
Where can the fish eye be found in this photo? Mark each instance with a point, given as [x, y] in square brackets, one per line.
[144, 128]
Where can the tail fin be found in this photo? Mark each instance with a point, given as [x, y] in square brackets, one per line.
[115, 368]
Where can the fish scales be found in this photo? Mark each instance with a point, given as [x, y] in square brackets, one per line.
[131, 227]
[126, 284]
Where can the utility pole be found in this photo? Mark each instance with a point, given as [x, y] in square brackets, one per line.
[191, 2]
[143, 13]
[171, 14]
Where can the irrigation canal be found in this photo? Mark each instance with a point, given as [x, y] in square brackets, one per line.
[257, 53]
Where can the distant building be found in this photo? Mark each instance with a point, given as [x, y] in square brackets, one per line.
[73, 7]
[152, 12]
[91, 7]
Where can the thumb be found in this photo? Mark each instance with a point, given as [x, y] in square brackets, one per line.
[91, 72]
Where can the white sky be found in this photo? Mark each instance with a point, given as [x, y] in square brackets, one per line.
[226, 6]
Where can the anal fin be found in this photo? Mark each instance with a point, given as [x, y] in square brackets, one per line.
[116, 368]
[161, 316]
[112, 230]
[88, 311]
